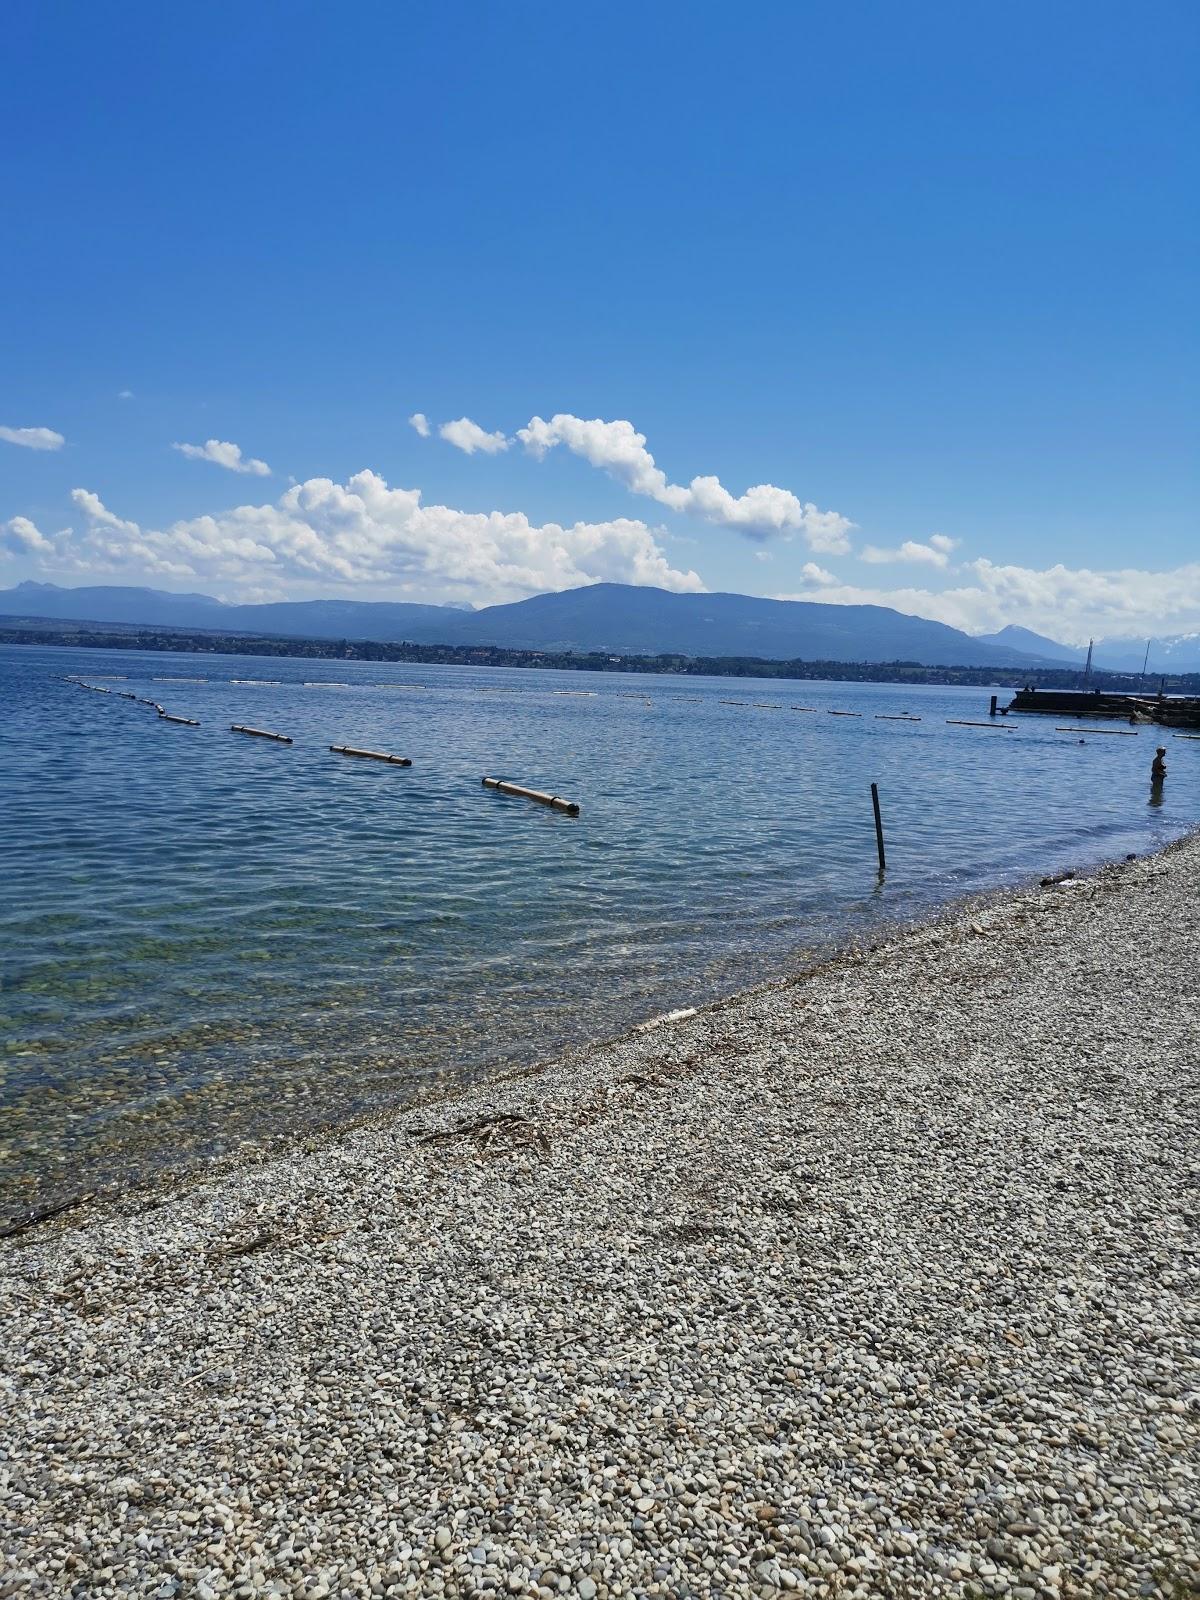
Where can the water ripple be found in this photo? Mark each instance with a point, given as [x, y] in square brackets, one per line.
[209, 939]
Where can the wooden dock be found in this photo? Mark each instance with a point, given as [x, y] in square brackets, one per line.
[1165, 710]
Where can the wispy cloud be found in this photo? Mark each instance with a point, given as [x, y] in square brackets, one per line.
[224, 454]
[934, 553]
[420, 422]
[468, 437]
[124, 394]
[762, 512]
[33, 438]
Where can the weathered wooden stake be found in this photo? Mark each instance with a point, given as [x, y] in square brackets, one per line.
[992, 707]
[878, 827]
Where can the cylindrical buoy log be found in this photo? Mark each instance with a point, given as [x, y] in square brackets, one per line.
[895, 716]
[370, 755]
[1121, 733]
[844, 713]
[188, 722]
[556, 802]
[260, 733]
[953, 722]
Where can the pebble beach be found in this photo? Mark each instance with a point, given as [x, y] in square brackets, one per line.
[878, 1281]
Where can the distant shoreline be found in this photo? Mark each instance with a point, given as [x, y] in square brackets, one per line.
[188, 642]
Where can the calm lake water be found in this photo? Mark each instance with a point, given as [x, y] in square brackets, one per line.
[208, 940]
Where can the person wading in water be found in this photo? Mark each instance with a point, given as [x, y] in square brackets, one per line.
[1158, 773]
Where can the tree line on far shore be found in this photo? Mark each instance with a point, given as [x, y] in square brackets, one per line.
[83, 636]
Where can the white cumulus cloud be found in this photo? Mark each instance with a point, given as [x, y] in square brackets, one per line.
[934, 554]
[468, 437]
[98, 514]
[33, 438]
[420, 422]
[20, 536]
[1071, 604]
[224, 454]
[762, 512]
[363, 535]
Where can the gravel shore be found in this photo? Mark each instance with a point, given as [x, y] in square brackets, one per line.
[879, 1282]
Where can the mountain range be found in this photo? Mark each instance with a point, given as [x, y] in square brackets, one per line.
[619, 618]
[1178, 652]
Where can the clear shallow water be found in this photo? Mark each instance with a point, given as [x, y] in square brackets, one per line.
[207, 939]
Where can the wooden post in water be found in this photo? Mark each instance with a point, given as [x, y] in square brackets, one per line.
[878, 827]
[992, 707]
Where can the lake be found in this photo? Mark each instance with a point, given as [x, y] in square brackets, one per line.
[210, 941]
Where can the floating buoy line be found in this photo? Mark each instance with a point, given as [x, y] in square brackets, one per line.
[369, 755]
[260, 733]
[504, 786]
[554, 801]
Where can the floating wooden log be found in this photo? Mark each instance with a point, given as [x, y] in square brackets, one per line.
[1113, 733]
[554, 801]
[843, 713]
[187, 722]
[894, 716]
[370, 755]
[1185, 736]
[802, 708]
[953, 722]
[260, 733]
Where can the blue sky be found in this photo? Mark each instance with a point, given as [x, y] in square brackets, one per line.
[930, 269]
